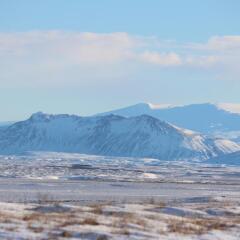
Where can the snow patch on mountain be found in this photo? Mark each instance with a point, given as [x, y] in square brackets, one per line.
[160, 106]
[230, 107]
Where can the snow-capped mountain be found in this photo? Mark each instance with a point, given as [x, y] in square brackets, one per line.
[218, 119]
[141, 136]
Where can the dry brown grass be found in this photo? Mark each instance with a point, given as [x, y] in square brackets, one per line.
[53, 220]
[120, 222]
[141, 222]
[11, 229]
[122, 231]
[31, 217]
[7, 217]
[197, 226]
[183, 227]
[66, 234]
[48, 216]
[120, 214]
[70, 223]
[97, 209]
[124, 221]
[90, 221]
[102, 237]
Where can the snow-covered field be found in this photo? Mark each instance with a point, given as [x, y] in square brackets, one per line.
[67, 166]
[215, 219]
[60, 195]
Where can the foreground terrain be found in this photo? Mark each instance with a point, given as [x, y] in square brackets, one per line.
[73, 196]
[213, 219]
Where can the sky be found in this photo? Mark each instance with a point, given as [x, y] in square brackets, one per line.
[88, 56]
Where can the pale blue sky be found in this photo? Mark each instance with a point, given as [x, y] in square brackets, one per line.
[88, 56]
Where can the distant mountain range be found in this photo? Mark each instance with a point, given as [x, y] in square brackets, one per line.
[205, 118]
[112, 135]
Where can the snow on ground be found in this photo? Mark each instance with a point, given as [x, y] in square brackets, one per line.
[74, 196]
[65, 166]
[153, 220]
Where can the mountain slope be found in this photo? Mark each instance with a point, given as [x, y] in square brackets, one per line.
[142, 136]
[205, 118]
[229, 159]
[5, 124]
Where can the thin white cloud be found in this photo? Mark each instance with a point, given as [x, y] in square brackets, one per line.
[38, 56]
[57, 47]
[162, 59]
[95, 47]
[202, 61]
[224, 43]
[68, 46]
[218, 43]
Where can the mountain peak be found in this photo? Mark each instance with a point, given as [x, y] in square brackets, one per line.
[39, 116]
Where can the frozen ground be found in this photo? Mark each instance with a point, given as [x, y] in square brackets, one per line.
[63, 166]
[57, 196]
[215, 219]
